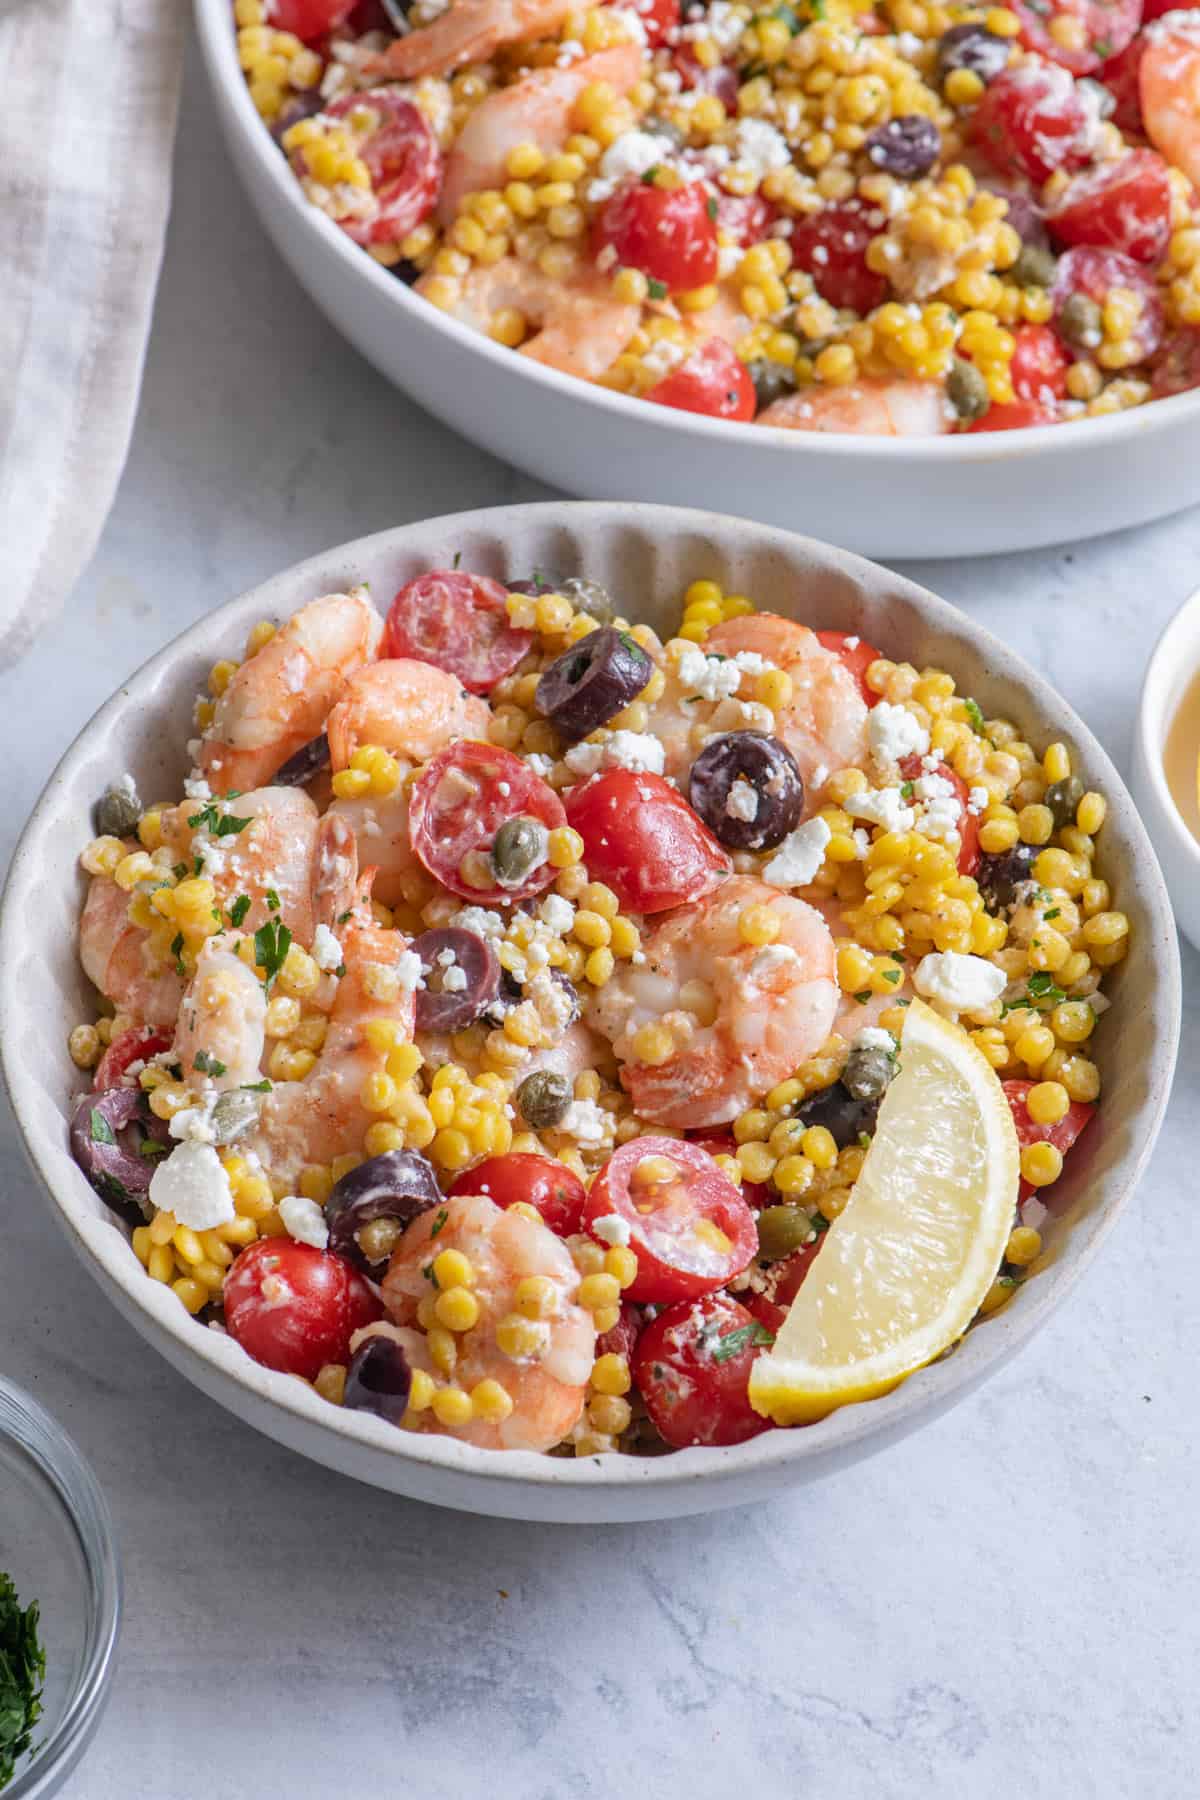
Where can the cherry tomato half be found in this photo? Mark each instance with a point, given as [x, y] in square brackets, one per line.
[403, 160]
[912, 768]
[832, 246]
[1096, 273]
[459, 802]
[138, 1044]
[539, 1181]
[670, 234]
[720, 1141]
[746, 218]
[690, 1232]
[785, 1280]
[294, 1307]
[692, 1368]
[1039, 365]
[1062, 1135]
[712, 380]
[310, 20]
[1102, 28]
[643, 840]
[1123, 204]
[1032, 118]
[458, 622]
[1015, 416]
[857, 654]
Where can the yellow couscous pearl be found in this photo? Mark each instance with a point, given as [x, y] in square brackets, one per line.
[564, 848]
[452, 1406]
[1041, 1164]
[1024, 1246]
[820, 1147]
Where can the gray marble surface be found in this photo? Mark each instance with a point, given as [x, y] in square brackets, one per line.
[1005, 1605]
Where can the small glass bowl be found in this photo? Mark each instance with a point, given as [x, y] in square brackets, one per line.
[57, 1543]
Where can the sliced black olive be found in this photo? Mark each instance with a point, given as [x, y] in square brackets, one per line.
[771, 791]
[842, 1115]
[908, 146]
[392, 1189]
[440, 1008]
[868, 1072]
[596, 678]
[118, 1143]
[378, 1379]
[975, 48]
[543, 1099]
[518, 848]
[117, 812]
[1063, 797]
[308, 761]
[998, 877]
[295, 108]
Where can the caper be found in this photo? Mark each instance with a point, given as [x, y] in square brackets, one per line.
[772, 380]
[967, 390]
[590, 598]
[1081, 321]
[868, 1071]
[518, 848]
[1034, 267]
[118, 811]
[543, 1098]
[233, 1114]
[782, 1229]
[1063, 797]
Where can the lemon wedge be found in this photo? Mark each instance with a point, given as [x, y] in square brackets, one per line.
[904, 1267]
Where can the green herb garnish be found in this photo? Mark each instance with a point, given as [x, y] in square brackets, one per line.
[975, 713]
[218, 823]
[657, 290]
[272, 942]
[239, 909]
[256, 1087]
[439, 1220]
[101, 1131]
[863, 997]
[734, 1342]
[906, 790]
[22, 1672]
[711, 206]
[207, 1065]
[177, 953]
[892, 975]
[272, 900]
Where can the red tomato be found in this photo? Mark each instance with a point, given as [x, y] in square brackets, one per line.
[912, 768]
[538, 1180]
[785, 1280]
[720, 1141]
[1096, 273]
[1062, 1135]
[712, 380]
[459, 802]
[620, 1340]
[1031, 117]
[690, 1234]
[138, 1044]
[747, 218]
[309, 19]
[1015, 416]
[660, 20]
[832, 246]
[857, 654]
[294, 1307]
[1106, 26]
[721, 81]
[642, 838]
[1178, 366]
[1154, 9]
[1120, 77]
[458, 622]
[1121, 205]
[404, 163]
[692, 1368]
[670, 234]
[1039, 364]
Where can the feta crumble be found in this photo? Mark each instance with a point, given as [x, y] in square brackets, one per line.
[636, 750]
[796, 861]
[557, 914]
[963, 983]
[893, 733]
[741, 802]
[587, 1123]
[409, 973]
[881, 806]
[192, 1184]
[612, 1229]
[326, 950]
[711, 677]
[304, 1220]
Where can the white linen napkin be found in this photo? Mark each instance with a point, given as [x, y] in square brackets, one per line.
[87, 124]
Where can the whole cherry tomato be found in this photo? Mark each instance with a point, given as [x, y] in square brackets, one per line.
[294, 1307]
[1089, 31]
[1123, 204]
[1039, 365]
[540, 1181]
[1032, 118]
[692, 1368]
[138, 1044]
[643, 840]
[712, 380]
[670, 234]
[832, 246]
[691, 1230]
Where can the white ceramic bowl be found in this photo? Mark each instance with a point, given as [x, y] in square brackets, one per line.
[1171, 668]
[646, 556]
[912, 497]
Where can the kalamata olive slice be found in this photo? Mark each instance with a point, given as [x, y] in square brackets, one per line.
[595, 678]
[747, 789]
[998, 877]
[308, 761]
[394, 1188]
[378, 1379]
[462, 978]
[109, 1135]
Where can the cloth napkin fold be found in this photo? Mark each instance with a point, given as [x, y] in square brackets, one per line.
[91, 90]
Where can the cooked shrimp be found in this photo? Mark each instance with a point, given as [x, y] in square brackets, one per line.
[222, 1020]
[547, 1388]
[583, 329]
[273, 855]
[314, 1120]
[824, 724]
[116, 956]
[864, 409]
[1169, 85]
[724, 319]
[740, 1018]
[469, 31]
[279, 699]
[535, 110]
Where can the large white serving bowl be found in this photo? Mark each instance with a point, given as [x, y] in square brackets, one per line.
[645, 555]
[955, 496]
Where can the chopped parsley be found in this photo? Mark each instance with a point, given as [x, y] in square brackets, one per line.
[711, 206]
[272, 942]
[650, 175]
[892, 975]
[863, 997]
[906, 790]
[744, 1338]
[179, 871]
[342, 917]
[272, 900]
[657, 290]
[150, 1149]
[439, 1221]
[1054, 913]
[177, 953]
[22, 1672]
[256, 1087]
[975, 714]
[1041, 991]
[101, 1131]
[207, 1065]
[239, 909]
[218, 823]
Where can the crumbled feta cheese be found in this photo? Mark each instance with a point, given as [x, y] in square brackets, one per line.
[587, 1123]
[741, 802]
[769, 958]
[663, 356]
[213, 859]
[633, 153]
[409, 973]
[751, 663]
[881, 806]
[612, 1229]
[760, 147]
[893, 732]
[557, 914]
[541, 765]
[326, 950]
[454, 981]
[584, 759]
[193, 1124]
[978, 800]
[861, 840]
[196, 788]
[796, 861]
[873, 1037]
[939, 813]
[192, 1184]
[712, 677]
[963, 983]
[552, 998]
[636, 750]
[304, 1220]
[480, 920]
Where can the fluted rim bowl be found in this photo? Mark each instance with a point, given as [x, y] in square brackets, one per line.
[646, 555]
[949, 496]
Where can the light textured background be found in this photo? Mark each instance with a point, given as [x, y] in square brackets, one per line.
[1006, 1604]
